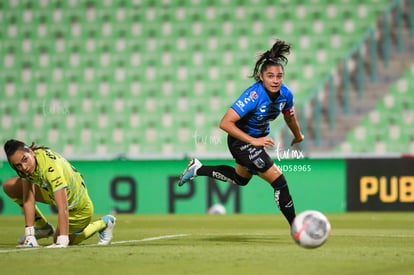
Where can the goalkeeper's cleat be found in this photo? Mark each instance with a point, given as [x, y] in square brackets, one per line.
[105, 235]
[190, 172]
[45, 232]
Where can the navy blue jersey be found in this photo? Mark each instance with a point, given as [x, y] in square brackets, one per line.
[256, 109]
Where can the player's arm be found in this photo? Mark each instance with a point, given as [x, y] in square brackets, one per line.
[57, 180]
[292, 123]
[228, 124]
[61, 200]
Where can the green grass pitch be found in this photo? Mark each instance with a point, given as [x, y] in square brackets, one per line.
[360, 243]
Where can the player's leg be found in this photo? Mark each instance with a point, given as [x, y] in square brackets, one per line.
[238, 175]
[103, 226]
[81, 228]
[282, 195]
[242, 175]
[13, 189]
[256, 159]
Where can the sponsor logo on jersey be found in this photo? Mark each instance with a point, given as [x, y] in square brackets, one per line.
[244, 147]
[240, 105]
[50, 154]
[262, 108]
[254, 152]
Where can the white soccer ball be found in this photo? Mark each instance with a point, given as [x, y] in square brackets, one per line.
[310, 229]
[216, 209]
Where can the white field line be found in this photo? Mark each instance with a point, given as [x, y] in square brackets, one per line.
[152, 239]
[214, 234]
[88, 245]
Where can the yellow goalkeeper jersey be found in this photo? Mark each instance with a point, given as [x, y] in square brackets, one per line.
[53, 173]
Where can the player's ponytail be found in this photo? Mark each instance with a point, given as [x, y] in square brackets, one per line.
[275, 56]
[35, 146]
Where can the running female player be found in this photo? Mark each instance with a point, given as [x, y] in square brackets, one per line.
[247, 125]
[44, 176]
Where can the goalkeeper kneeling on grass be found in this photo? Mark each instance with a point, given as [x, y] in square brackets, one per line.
[45, 176]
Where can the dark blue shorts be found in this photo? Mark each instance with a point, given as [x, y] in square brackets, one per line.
[254, 158]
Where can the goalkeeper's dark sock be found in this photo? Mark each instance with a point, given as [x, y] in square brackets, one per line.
[283, 198]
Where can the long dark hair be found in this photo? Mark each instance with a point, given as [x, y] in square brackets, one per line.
[276, 56]
[12, 145]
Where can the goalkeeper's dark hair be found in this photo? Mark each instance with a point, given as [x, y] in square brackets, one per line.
[276, 56]
[12, 145]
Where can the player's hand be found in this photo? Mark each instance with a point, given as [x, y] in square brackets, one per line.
[263, 141]
[61, 242]
[29, 242]
[297, 139]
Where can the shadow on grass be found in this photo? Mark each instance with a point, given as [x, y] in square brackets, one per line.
[241, 239]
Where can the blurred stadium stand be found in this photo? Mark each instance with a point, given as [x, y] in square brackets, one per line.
[388, 127]
[153, 78]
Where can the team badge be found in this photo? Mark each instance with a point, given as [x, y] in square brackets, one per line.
[254, 95]
[259, 163]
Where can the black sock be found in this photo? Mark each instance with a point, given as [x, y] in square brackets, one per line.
[283, 199]
[223, 173]
[219, 172]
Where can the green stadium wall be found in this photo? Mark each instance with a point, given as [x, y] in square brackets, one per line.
[150, 187]
[328, 185]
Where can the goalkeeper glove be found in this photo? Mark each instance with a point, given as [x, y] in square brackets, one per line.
[61, 242]
[30, 239]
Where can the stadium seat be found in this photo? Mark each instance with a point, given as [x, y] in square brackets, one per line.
[390, 122]
[104, 71]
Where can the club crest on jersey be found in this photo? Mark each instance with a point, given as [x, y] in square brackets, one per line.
[254, 95]
[282, 105]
